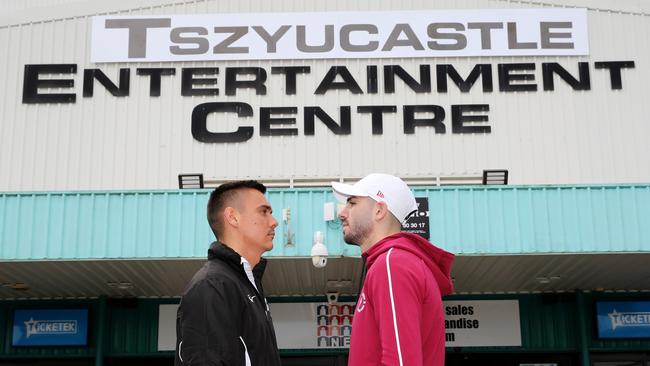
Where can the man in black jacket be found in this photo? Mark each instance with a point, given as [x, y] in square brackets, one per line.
[223, 317]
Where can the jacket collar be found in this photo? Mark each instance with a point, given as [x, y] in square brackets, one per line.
[223, 252]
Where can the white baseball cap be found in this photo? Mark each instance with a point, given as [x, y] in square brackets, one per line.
[382, 188]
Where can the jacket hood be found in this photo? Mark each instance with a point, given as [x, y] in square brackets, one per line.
[225, 253]
[437, 260]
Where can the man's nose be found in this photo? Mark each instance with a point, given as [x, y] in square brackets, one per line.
[274, 222]
[344, 213]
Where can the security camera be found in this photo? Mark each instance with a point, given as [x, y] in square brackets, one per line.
[332, 297]
[318, 261]
[319, 251]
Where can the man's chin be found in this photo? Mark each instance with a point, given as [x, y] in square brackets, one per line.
[350, 241]
[268, 246]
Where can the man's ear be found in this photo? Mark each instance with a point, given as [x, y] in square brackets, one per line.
[231, 216]
[381, 210]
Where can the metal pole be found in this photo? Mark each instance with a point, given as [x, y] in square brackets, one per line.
[582, 327]
[99, 339]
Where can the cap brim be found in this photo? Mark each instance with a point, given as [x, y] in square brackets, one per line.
[343, 191]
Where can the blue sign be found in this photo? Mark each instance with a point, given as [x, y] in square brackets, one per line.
[624, 319]
[55, 327]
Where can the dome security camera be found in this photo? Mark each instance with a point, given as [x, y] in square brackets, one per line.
[319, 261]
[319, 251]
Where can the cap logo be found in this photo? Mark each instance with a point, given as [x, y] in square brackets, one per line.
[380, 194]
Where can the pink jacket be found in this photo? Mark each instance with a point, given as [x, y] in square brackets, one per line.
[399, 315]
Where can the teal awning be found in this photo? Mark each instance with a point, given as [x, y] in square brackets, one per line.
[466, 220]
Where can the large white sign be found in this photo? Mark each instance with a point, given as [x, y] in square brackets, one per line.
[475, 323]
[396, 34]
[482, 323]
[312, 325]
[297, 325]
[167, 327]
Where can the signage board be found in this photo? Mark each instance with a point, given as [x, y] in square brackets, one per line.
[418, 223]
[50, 327]
[340, 35]
[482, 323]
[471, 323]
[623, 319]
[167, 327]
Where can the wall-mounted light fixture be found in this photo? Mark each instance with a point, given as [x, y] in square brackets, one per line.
[190, 181]
[124, 285]
[491, 177]
[547, 279]
[17, 286]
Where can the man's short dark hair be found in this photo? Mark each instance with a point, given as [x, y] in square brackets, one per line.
[222, 197]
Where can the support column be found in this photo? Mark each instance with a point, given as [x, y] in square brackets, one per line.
[582, 329]
[99, 335]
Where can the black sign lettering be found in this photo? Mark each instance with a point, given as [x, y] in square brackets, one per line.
[507, 78]
[614, 68]
[31, 83]
[348, 82]
[459, 118]
[483, 70]
[390, 71]
[377, 113]
[550, 68]
[290, 73]
[188, 81]
[118, 91]
[410, 122]
[232, 84]
[199, 122]
[267, 122]
[338, 129]
[154, 78]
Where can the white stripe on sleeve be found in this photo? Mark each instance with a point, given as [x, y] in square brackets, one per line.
[246, 356]
[392, 304]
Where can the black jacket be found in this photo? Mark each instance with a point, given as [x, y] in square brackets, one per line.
[222, 319]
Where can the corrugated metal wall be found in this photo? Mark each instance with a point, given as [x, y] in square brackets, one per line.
[549, 322]
[143, 142]
[104, 225]
[463, 220]
[541, 219]
[133, 328]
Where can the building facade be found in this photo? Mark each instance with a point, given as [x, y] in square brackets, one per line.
[519, 125]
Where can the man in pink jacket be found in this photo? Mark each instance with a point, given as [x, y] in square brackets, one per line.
[399, 315]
